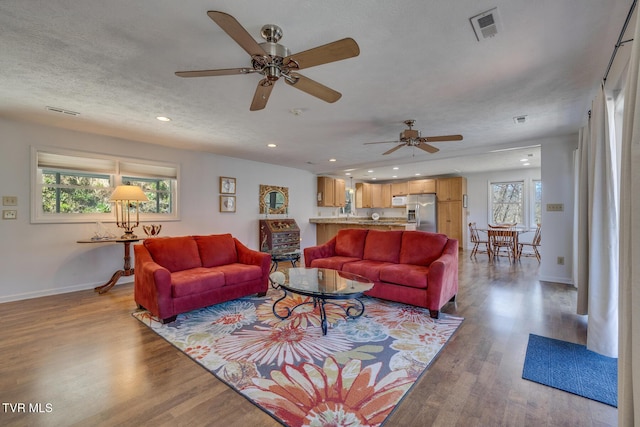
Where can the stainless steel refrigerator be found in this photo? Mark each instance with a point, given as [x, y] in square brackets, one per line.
[421, 209]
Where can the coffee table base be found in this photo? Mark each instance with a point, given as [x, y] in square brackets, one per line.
[352, 310]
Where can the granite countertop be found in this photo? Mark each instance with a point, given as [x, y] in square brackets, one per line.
[360, 220]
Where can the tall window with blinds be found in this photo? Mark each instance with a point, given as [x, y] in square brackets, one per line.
[71, 186]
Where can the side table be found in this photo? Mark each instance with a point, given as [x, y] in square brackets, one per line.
[126, 270]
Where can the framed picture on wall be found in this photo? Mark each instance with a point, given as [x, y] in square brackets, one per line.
[227, 185]
[227, 203]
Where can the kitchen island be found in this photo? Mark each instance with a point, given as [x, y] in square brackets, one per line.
[326, 228]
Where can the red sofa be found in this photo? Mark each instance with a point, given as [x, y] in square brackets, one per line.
[174, 275]
[411, 267]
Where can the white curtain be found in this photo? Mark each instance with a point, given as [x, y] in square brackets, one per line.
[598, 239]
[629, 286]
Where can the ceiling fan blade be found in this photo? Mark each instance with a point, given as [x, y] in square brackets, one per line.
[381, 142]
[261, 96]
[426, 147]
[313, 88]
[237, 32]
[393, 149]
[331, 52]
[208, 73]
[442, 138]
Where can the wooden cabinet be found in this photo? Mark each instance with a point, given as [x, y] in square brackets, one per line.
[399, 188]
[331, 192]
[451, 214]
[364, 195]
[373, 195]
[422, 186]
[448, 189]
[279, 235]
[450, 221]
[340, 194]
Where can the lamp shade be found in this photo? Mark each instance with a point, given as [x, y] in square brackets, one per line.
[128, 192]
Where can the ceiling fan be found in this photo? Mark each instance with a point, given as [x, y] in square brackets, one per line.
[274, 60]
[411, 138]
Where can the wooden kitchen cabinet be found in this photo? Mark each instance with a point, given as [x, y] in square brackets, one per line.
[340, 194]
[331, 192]
[450, 221]
[386, 195]
[364, 195]
[399, 188]
[422, 186]
[451, 215]
[451, 188]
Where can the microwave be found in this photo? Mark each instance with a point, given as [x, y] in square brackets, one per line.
[398, 201]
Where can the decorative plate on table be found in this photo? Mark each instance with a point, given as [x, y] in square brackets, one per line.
[375, 216]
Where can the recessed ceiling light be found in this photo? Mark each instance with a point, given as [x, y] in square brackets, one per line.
[348, 173]
[394, 176]
[374, 178]
[418, 174]
[163, 118]
[395, 168]
[272, 145]
[370, 171]
[526, 164]
[524, 160]
[332, 160]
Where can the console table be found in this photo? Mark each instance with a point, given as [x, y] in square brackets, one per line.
[126, 270]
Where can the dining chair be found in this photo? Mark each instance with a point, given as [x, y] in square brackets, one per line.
[502, 237]
[535, 243]
[477, 240]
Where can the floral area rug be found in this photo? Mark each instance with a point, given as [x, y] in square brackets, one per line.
[353, 376]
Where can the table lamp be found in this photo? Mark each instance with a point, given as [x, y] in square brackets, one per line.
[125, 197]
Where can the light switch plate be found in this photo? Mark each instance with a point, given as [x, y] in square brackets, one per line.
[9, 201]
[555, 207]
[9, 214]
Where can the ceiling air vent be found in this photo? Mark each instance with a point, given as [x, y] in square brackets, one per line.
[519, 120]
[62, 111]
[486, 24]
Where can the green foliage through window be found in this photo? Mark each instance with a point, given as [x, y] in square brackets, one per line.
[73, 192]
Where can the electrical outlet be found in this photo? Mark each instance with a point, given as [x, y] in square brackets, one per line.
[560, 260]
[9, 201]
[9, 214]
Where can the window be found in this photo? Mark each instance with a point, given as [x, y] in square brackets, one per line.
[506, 202]
[75, 187]
[537, 202]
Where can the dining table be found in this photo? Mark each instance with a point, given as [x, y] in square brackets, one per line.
[515, 231]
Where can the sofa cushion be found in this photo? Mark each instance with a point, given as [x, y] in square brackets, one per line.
[350, 242]
[366, 268]
[383, 245]
[216, 249]
[414, 276]
[195, 281]
[421, 247]
[334, 262]
[239, 273]
[174, 253]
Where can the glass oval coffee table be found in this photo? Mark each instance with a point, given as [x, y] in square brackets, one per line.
[324, 286]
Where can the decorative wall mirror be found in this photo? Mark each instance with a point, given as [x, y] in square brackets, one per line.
[274, 200]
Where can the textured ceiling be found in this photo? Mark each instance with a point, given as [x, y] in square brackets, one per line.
[114, 62]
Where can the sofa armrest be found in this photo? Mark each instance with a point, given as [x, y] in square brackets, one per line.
[325, 250]
[442, 280]
[152, 284]
[252, 257]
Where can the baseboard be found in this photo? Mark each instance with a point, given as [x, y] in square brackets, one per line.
[565, 280]
[58, 291]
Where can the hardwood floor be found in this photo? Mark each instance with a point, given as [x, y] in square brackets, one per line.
[87, 361]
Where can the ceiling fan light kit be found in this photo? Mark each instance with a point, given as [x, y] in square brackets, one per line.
[274, 60]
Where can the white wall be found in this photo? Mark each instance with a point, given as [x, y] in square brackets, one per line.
[44, 259]
[557, 187]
